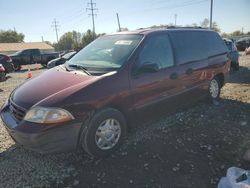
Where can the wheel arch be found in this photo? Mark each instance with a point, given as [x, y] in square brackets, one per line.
[221, 78]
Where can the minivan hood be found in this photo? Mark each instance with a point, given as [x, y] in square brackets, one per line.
[49, 83]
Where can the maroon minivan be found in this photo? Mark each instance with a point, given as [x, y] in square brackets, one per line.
[90, 101]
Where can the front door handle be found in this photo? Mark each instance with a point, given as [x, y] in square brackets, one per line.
[189, 71]
[174, 76]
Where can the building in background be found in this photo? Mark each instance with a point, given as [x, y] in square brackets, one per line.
[9, 48]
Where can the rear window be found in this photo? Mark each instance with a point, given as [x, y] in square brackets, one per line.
[196, 45]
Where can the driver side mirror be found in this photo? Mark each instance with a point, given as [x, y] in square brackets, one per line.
[148, 67]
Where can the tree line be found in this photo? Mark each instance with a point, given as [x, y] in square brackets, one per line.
[75, 40]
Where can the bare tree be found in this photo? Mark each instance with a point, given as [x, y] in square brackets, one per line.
[205, 23]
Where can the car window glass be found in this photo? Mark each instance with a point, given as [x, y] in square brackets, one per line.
[26, 53]
[189, 46]
[1, 57]
[193, 46]
[215, 44]
[157, 49]
[110, 51]
[36, 52]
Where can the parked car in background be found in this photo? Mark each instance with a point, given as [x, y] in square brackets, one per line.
[243, 43]
[2, 73]
[6, 61]
[233, 53]
[32, 56]
[247, 51]
[60, 60]
[90, 101]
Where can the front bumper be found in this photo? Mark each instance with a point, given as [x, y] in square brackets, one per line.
[54, 138]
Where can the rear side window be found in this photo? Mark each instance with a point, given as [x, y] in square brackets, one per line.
[157, 49]
[196, 45]
[189, 46]
[26, 52]
[35, 52]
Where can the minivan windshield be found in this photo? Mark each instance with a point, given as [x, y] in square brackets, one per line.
[107, 52]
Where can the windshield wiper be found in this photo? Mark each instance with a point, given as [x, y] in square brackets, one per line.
[80, 68]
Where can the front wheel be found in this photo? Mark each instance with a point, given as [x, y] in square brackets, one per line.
[2, 76]
[105, 132]
[214, 88]
[17, 66]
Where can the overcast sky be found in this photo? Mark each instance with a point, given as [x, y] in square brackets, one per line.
[34, 17]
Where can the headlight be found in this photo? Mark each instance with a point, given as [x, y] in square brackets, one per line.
[48, 115]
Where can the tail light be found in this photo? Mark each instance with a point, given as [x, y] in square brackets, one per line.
[8, 59]
[2, 68]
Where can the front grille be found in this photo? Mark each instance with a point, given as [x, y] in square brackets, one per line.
[16, 111]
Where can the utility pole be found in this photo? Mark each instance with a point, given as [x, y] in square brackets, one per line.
[42, 39]
[242, 30]
[55, 26]
[211, 15]
[175, 19]
[92, 9]
[118, 21]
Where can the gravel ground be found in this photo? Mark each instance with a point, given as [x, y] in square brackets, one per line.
[191, 148]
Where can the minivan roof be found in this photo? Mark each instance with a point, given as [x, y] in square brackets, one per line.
[146, 31]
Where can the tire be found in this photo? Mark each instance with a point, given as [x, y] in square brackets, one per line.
[236, 66]
[17, 67]
[214, 89]
[44, 65]
[2, 76]
[94, 139]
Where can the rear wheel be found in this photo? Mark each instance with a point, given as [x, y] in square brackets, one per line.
[214, 88]
[104, 133]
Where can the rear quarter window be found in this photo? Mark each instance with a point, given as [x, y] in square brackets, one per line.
[215, 43]
[192, 46]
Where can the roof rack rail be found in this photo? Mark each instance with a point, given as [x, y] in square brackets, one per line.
[172, 27]
[188, 27]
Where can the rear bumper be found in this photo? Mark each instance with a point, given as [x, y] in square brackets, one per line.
[42, 138]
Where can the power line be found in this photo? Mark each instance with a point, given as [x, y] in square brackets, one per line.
[55, 26]
[177, 5]
[92, 14]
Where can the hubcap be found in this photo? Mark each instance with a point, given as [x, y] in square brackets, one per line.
[214, 88]
[108, 134]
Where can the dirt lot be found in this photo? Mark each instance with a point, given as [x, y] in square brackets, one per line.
[191, 148]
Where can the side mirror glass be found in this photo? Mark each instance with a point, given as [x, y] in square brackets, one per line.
[148, 67]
